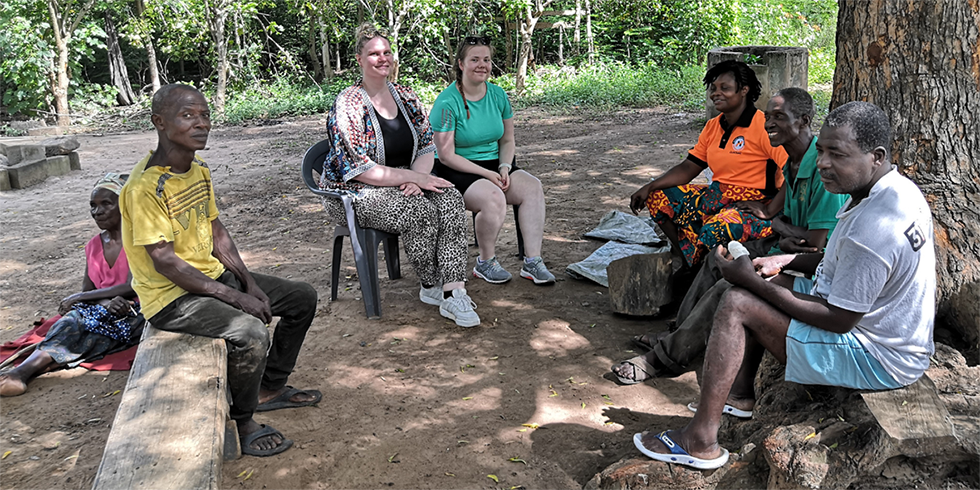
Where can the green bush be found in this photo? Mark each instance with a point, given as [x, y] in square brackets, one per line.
[610, 85]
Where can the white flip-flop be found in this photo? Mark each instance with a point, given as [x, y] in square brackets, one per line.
[678, 455]
[730, 410]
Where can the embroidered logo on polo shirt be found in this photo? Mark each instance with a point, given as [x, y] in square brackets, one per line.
[739, 143]
[915, 237]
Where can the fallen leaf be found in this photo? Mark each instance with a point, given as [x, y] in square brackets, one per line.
[494, 358]
[522, 430]
[608, 403]
[583, 404]
[517, 487]
[517, 460]
[462, 369]
[391, 459]
[810, 436]
[399, 370]
[249, 475]
[609, 422]
[606, 397]
[450, 474]
[531, 425]
[833, 446]
[467, 397]
[841, 418]
[553, 394]
[107, 395]
[8, 453]
[905, 402]
[242, 473]
[494, 478]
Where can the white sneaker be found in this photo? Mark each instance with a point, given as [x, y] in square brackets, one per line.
[460, 307]
[431, 296]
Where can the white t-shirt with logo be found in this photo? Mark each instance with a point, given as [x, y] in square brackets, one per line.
[881, 261]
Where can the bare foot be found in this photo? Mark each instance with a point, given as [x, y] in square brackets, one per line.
[11, 385]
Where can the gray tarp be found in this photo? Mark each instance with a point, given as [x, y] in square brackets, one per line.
[640, 237]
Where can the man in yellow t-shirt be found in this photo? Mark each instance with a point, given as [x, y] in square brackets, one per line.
[191, 279]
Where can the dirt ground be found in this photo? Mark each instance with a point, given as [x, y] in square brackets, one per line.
[410, 400]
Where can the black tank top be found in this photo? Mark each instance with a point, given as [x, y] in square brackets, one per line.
[398, 141]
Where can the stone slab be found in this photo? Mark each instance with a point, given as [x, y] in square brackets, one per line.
[4, 180]
[24, 153]
[58, 165]
[59, 145]
[76, 164]
[24, 175]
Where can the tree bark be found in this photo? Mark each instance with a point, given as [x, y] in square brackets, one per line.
[151, 53]
[920, 62]
[63, 27]
[525, 26]
[588, 31]
[117, 64]
[217, 13]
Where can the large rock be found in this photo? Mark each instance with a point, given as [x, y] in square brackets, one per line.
[59, 145]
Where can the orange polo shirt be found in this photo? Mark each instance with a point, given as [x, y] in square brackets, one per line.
[740, 154]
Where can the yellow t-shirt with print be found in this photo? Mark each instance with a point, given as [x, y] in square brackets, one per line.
[158, 205]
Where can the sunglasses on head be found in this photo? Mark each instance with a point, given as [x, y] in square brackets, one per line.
[484, 40]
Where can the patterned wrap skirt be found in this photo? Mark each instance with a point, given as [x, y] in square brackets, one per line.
[74, 338]
[705, 216]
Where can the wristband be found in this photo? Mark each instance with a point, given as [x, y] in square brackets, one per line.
[504, 165]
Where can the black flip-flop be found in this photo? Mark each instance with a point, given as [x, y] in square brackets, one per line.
[283, 400]
[246, 442]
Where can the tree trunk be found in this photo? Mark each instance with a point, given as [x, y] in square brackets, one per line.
[311, 49]
[151, 58]
[217, 13]
[525, 26]
[578, 27]
[151, 53]
[63, 28]
[117, 65]
[508, 45]
[588, 31]
[919, 62]
[325, 52]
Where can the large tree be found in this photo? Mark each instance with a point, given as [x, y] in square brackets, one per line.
[920, 62]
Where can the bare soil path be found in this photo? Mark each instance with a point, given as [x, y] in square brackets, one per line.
[410, 400]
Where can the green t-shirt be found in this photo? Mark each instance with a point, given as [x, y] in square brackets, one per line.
[808, 203]
[476, 138]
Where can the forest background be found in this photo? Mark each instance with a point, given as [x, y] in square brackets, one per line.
[98, 61]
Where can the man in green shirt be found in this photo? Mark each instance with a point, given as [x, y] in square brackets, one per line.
[807, 220]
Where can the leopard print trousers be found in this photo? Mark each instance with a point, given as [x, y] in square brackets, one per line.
[432, 228]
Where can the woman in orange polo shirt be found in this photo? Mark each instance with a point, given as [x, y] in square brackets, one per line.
[746, 168]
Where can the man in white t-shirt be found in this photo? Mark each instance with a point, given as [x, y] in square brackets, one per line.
[865, 321]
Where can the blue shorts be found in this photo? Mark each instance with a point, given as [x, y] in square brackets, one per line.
[817, 357]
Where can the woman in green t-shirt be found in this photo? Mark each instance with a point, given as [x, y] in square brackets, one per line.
[474, 137]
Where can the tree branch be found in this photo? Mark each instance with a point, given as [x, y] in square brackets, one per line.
[81, 14]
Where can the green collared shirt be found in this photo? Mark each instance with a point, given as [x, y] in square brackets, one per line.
[808, 204]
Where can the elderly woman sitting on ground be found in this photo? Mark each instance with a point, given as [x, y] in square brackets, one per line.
[104, 317]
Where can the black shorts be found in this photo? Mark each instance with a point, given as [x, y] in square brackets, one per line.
[463, 180]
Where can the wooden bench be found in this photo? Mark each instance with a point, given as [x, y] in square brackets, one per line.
[172, 428]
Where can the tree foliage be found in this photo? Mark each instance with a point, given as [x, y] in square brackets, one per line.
[304, 42]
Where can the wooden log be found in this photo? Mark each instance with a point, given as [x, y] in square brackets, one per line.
[913, 418]
[171, 425]
[640, 284]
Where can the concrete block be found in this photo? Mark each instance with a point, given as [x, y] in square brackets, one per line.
[3, 149]
[76, 164]
[57, 165]
[4, 180]
[26, 174]
[24, 153]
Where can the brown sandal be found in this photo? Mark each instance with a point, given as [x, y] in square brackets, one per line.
[642, 371]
